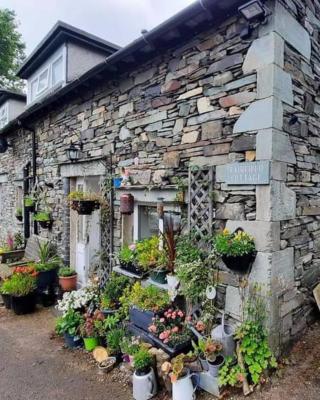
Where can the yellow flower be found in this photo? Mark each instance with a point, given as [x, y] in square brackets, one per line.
[226, 231]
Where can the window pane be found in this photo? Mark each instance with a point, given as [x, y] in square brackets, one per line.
[148, 222]
[34, 89]
[43, 81]
[57, 71]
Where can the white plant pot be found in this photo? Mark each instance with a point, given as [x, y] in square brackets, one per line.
[183, 389]
[144, 386]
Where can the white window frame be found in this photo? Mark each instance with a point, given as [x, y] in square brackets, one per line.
[48, 65]
[4, 115]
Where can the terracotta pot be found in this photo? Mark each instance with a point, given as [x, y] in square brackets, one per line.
[68, 283]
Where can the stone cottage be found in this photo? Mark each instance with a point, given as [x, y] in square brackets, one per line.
[224, 92]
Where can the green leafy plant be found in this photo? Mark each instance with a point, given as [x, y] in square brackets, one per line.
[114, 340]
[252, 345]
[234, 244]
[113, 290]
[19, 212]
[149, 254]
[207, 348]
[103, 326]
[42, 216]
[148, 298]
[84, 196]
[130, 345]
[65, 272]
[18, 240]
[127, 254]
[29, 201]
[48, 257]
[19, 285]
[142, 360]
[194, 277]
[69, 323]
[188, 249]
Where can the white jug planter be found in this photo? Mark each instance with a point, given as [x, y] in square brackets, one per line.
[183, 388]
[144, 386]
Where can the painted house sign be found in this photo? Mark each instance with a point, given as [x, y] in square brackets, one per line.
[248, 173]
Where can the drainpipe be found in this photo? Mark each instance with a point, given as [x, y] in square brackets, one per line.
[26, 213]
[34, 165]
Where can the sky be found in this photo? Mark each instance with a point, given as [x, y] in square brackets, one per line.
[118, 21]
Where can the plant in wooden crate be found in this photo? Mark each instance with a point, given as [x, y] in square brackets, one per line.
[85, 202]
[152, 258]
[236, 249]
[254, 355]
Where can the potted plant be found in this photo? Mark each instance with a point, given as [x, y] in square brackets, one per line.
[19, 214]
[89, 331]
[67, 279]
[6, 297]
[127, 260]
[114, 339]
[150, 257]
[236, 249]
[47, 266]
[105, 324]
[145, 303]
[181, 379]
[209, 353]
[171, 237]
[29, 203]
[129, 347]
[113, 290]
[84, 202]
[144, 380]
[69, 325]
[170, 332]
[21, 287]
[44, 219]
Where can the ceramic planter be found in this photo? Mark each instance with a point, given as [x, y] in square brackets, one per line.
[7, 301]
[183, 388]
[68, 283]
[46, 279]
[23, 304]
[240, 264]
[72, 341]
[144, 386]
[85, 207]
[159, 276]
[141, 319]
[215, 365]
[90, 343]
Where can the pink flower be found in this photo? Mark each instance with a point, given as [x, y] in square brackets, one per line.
[174, 316]
[166, 341]
[152, 328]
[162, 320]
[170, 310]
[132, 247]
[175, 329]
[180, 313]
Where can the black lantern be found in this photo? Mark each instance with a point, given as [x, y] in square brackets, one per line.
[74, 151]
[253, 11]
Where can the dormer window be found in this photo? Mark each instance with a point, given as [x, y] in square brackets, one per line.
[49, 76]
[4, 115]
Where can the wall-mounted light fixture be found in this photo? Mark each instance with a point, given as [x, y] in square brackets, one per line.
[253, 11]
[74, 151]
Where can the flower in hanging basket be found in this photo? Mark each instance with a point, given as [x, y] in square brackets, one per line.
[236, 249]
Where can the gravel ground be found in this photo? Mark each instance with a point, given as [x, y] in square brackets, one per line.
[35, 366]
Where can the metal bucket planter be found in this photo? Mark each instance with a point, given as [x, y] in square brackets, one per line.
[224, 334]
[214, 366]
[183, 388]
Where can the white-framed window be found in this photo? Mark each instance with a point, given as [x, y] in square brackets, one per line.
[50, 75]
[4, 115]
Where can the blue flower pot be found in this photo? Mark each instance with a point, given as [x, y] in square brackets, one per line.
[117, 182]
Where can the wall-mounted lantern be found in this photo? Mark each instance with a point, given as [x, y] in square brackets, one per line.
[74, 151]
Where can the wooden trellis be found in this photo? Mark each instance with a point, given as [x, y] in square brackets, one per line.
[201, 212]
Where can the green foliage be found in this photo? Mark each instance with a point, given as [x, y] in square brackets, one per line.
[106, 325]
[207, 348]
[254, 346]
[126, 254]
[231, 373]
[149, 255]
[233, 244]
[48, 257]
[142, 360]
[29, 201]
[85, 196]
[19, 285]
[188, 250]
[194, 277]
[12, 50]
[18, 241]
[114, 289]
[114, 340]
[65, 272]
[42, 216]
[19, 212]
[130, 345]
[69, 323]
[146, 298]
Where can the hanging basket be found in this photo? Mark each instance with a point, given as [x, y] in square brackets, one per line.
[240, 264]
[126, 203]
[85, 207]
[46, 224]
[19, 218]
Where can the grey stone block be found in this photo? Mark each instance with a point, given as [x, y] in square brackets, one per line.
[274, 145]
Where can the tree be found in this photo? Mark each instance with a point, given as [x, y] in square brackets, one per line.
[11, 50]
